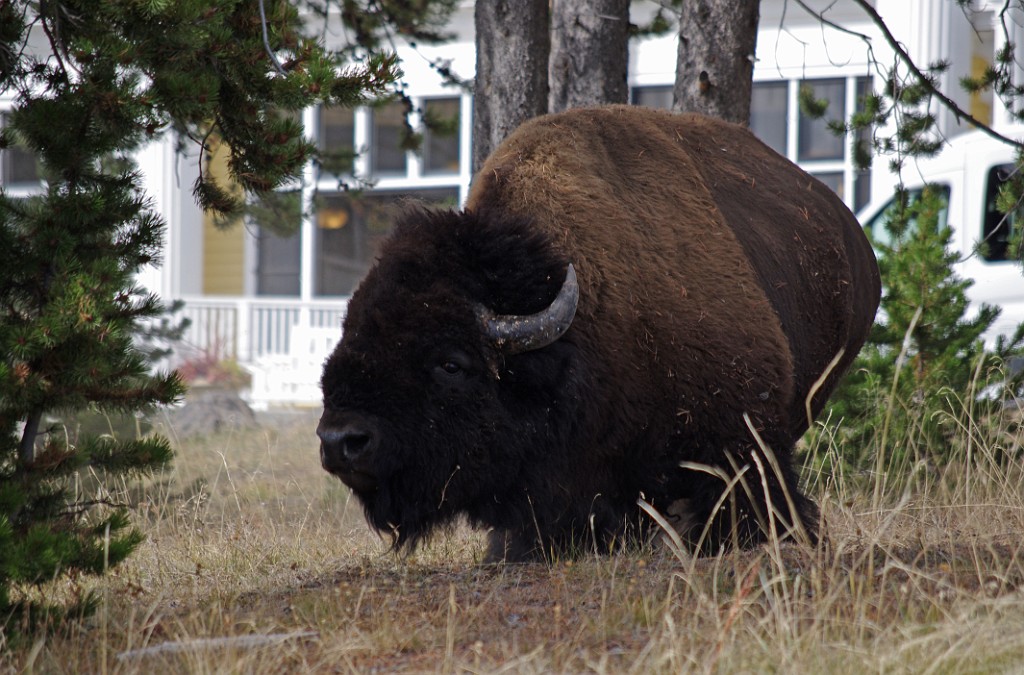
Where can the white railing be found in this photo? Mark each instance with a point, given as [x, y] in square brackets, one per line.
[248, 329]
[281, 342]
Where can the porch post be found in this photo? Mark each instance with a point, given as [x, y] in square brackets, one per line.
[307, 259]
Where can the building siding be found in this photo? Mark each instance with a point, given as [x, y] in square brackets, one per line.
[223, 248]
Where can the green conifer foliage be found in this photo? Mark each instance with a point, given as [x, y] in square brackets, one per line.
[92, 80]
[925, 359]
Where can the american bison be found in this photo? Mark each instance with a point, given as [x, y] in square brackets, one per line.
[627, 296]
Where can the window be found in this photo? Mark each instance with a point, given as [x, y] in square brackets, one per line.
[652, 97]
[17, 165]
[441, 145]
[878, 226]
[337, 126]
[997, 228]
[862, 177]
[387, 136]
[278, 263]
[350, 231]
[833, 179]
[776, 120]
[779, 122]
[345, 229]
[337, 131]
[769, 105]
[279, 257]
[861, 189]
[814, 139]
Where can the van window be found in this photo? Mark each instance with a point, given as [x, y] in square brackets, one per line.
[998, 228]
[877, 229]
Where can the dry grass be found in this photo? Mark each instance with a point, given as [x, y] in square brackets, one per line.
[257, 562]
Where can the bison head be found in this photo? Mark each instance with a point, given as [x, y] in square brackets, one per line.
[451, 374]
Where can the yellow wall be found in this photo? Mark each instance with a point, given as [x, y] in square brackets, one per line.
[223, 249]
[983, 48]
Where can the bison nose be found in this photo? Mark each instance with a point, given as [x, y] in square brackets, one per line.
[346, 446]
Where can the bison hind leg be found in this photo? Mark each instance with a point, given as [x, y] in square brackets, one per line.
[745, 511]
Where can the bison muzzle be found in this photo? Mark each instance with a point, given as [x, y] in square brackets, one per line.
[633, 306]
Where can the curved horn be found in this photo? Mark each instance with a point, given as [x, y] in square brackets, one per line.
[514, 334]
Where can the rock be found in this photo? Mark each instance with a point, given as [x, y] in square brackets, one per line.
[206, 412]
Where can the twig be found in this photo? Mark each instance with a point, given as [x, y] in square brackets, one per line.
[678, 548]
[820, 16]
[880, 459]
[55, 44]
[243, 641]
[266, 41]
[820, 381]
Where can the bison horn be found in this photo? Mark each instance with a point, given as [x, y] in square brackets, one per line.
[515, 334]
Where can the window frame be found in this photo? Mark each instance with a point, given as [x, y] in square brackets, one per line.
[855, 87]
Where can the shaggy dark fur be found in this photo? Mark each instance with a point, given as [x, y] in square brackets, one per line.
[716, 279]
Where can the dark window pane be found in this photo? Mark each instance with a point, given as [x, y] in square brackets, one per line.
[833, 179]
[863, 88]
[769, 102]
[814, 139]
[386, 142]
[998, 228]
[278, 263]
[862, 179]
[337, 126]
[350, 231]
[652, 97]
[278, 257]
[441, 144]
[337, 131]
[861, 189]
[17, 164]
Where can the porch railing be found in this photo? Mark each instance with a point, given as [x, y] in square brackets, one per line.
[248, 329]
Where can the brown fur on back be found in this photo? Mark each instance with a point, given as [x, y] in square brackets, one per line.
[723, 269]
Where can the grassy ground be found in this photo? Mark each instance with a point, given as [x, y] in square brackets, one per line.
[258, 562]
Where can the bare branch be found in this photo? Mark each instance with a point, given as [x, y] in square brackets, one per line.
[55, 44]
[266, 41]
[927, 83]
[820, 16]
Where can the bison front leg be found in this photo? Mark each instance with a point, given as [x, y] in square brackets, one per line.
[512, 546]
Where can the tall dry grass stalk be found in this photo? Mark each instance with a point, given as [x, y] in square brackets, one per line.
[257, 562]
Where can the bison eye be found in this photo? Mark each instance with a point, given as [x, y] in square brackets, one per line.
[452, 365]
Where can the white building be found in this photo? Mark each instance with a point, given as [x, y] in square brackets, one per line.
[276, 304]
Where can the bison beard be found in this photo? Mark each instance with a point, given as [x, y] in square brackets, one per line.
[719, 286]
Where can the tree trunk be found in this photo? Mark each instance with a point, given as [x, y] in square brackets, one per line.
[27, 446]
[589, 53]
[715, 68]
[511, 85]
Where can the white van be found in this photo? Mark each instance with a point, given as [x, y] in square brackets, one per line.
[971, 168]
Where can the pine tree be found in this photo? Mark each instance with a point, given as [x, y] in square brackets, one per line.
[925, 359]
[117, 74]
